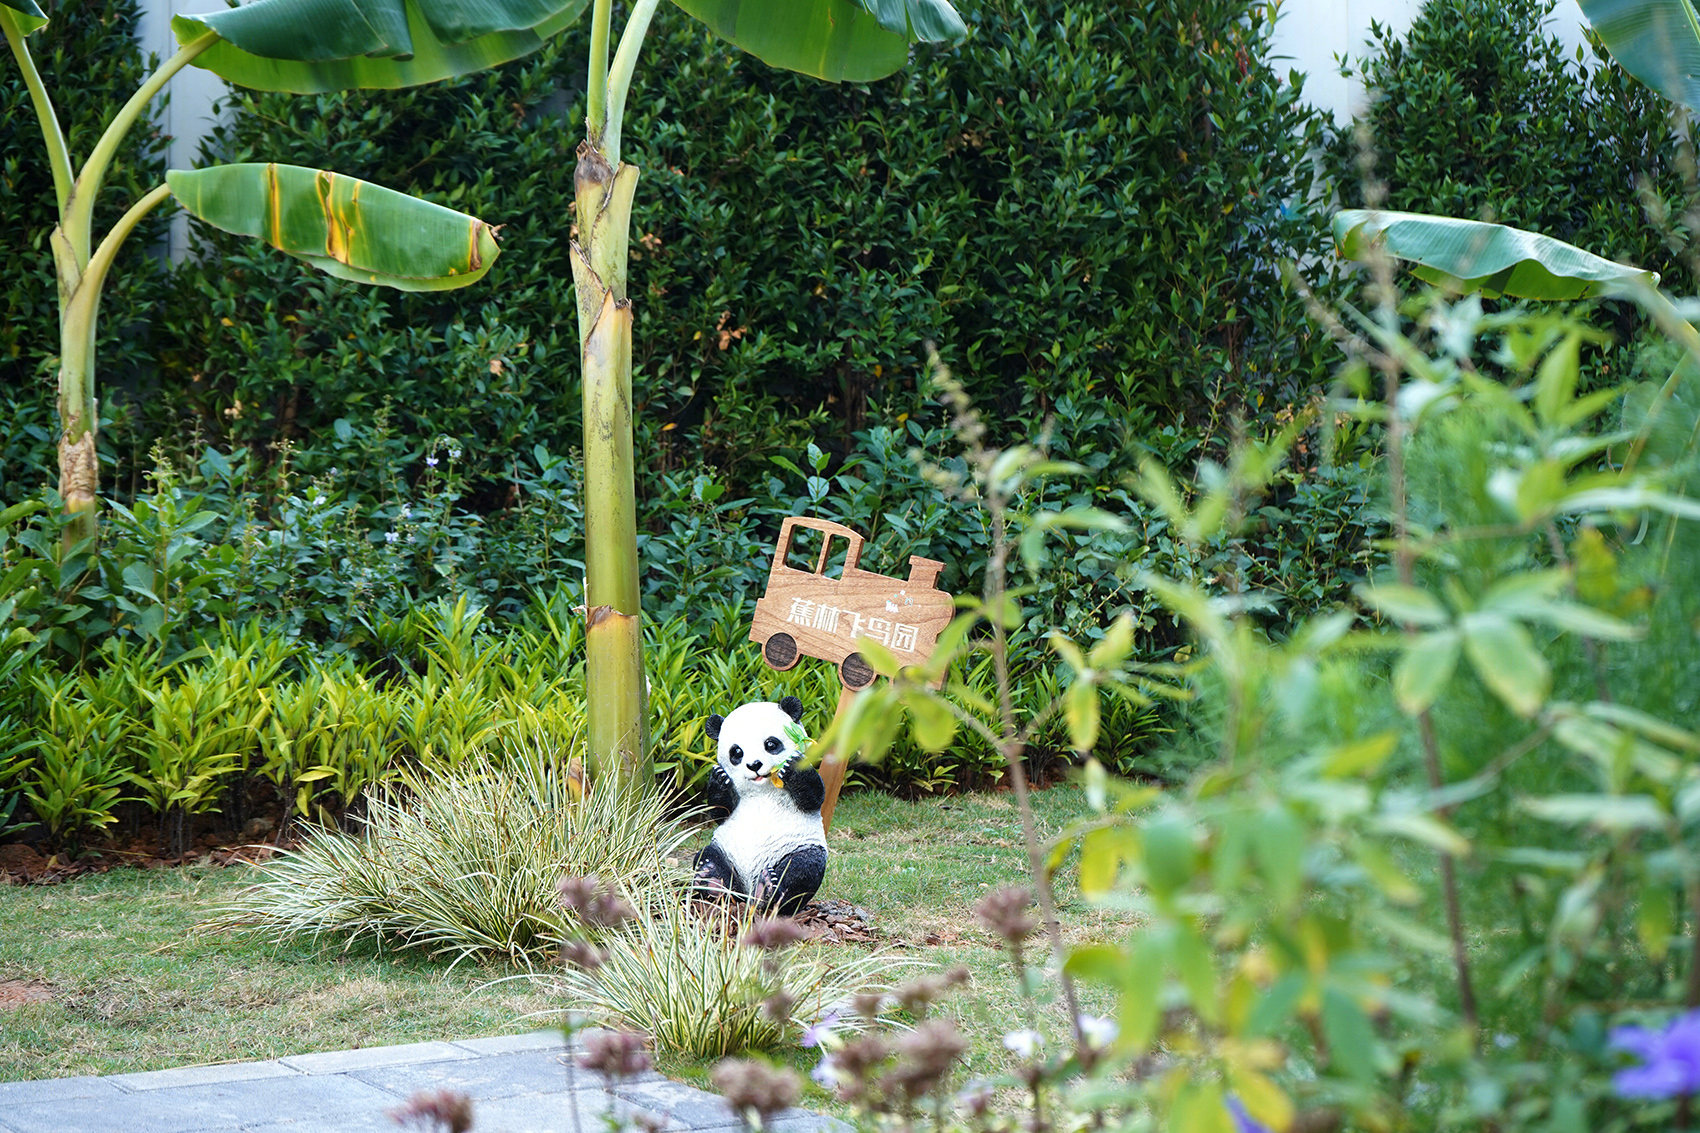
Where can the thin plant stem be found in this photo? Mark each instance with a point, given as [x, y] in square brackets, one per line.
[596, 78]
[78, 215]
[620, 75]
[58, 153]
[1404, 559]
[1013, 748]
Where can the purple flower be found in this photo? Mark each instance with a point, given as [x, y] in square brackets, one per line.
[1243, 1121]
[1670, 1059]
[820, 1031]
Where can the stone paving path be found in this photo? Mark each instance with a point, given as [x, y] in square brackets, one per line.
[518, 1083]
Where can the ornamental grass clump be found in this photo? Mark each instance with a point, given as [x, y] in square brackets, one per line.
[463, 863]
[706, 989]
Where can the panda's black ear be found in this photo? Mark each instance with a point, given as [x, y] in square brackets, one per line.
[793, 708]
[713, 725]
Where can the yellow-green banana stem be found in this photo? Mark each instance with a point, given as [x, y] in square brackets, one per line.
[616, 712]
[79, 306]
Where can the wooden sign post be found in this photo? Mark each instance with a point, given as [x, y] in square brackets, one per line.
[811, 614]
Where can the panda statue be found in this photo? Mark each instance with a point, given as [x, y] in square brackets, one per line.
[771, 847]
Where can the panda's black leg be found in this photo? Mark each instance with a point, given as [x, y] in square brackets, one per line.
[714, 872]
[792, 881]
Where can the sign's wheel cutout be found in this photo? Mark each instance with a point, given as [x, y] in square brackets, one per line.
[781, 651]
[855, 672]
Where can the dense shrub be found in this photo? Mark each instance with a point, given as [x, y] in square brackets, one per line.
[1073, 201]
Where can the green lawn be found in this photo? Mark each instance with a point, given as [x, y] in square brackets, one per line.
[137, 987]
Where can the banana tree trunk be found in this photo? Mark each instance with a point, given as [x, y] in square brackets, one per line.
[79, 460]
[616, 708]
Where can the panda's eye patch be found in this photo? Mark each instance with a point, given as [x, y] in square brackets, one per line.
[773, 745]
[736, 755]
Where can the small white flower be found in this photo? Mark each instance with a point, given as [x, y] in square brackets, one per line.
[1098, 1031]
[825, 1074]
[1025, 1043]
[391, 536]
[406, 510]
[454, 454]
[318, 501]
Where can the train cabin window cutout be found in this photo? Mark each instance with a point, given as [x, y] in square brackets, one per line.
[812, 614]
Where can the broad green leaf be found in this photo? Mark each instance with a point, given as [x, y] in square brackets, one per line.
[1142, 990]
[1612, 813]
[934, 726]
[1555, 381]
[1116, 646]
[1473, 255]
[312, 46]
[1517, 593]
[1351, 1039]
[1195, 965]
[1264, 1101]
[837, 40]
[1385, 874]
[1424, 828]
[1405, 604]
[1360, 757]
[1081, 710]
[1100, 963]
[1199, 1108]
[880, 659]
[1655, 918]
[25, 14]
[1102, 852]
[1629, 498]
[1507, 662]
[1424, 668]
[1647, 724]
[1170, 856]
[1279, 842]
[1069, 651]
[1657, 41]
[345, 227]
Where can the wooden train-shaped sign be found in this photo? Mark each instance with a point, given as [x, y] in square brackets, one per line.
[811, 614]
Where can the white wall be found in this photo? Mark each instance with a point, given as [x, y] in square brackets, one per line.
[187, 115]
[1311, 33]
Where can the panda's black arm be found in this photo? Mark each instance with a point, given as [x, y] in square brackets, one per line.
[806, 788]
[722, 796]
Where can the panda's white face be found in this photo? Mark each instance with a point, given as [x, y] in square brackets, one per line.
[755, 740]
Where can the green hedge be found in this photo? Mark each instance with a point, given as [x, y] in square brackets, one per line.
[1075, 201]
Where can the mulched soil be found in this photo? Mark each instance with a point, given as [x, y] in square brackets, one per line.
[23, 864]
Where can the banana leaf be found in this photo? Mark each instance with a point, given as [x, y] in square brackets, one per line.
[1657, 41]
[345, 227]
[837, 40]
[1471, 255]
[312, 46]
[26, 13]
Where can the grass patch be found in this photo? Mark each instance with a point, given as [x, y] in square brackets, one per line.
[136, 987]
